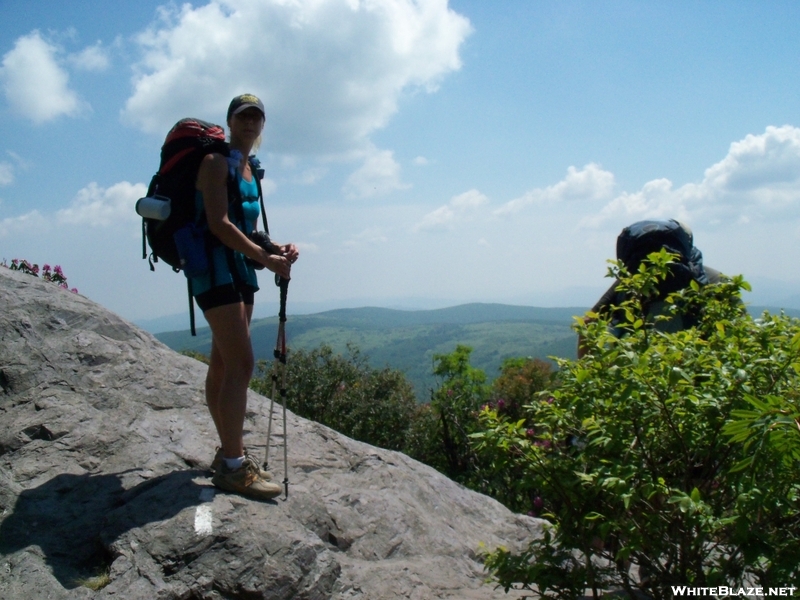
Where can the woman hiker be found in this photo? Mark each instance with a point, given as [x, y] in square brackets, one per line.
[228, 305]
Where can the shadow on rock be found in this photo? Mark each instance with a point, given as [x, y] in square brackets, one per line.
[73, 519]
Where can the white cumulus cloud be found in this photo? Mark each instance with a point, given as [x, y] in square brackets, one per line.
[34, 82]
[459, 208]
[379, 175]
[100, 207]
[24, 222]
[656, 200]
[92, 58]
[27, 222]
[769, 159]
[758, 180]
[591, 183]
[329, 71]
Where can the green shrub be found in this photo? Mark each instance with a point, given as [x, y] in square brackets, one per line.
[520, 382]
[343, 392]
[457, 403]
[441, 435]
[661, 459]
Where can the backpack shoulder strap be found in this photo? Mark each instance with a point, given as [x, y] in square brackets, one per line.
[258, 173]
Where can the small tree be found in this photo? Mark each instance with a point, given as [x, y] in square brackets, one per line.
[455, 406]
[343, 392]
[640, 470]
[441, 431]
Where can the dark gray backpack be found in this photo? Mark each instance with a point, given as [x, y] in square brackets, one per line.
[640, 239]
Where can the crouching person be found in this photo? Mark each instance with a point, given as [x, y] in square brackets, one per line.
[634, 244]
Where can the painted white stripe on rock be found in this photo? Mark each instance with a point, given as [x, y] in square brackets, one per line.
[204, 515]
[202, 520]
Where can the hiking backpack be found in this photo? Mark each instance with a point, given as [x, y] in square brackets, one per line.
[168, 211]
[637, 241]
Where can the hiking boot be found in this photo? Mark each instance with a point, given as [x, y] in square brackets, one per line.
[245, 481]
[219, 458]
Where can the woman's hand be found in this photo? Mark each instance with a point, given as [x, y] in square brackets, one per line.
[276, 263]
[290, 252]
[281, 263]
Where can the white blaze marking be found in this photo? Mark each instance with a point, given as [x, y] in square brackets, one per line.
[204, 516]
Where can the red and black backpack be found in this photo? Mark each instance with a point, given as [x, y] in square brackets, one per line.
[184, 148]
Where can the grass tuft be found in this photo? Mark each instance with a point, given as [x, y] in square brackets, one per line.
[98, 582]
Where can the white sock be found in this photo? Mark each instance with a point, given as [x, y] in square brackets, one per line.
[234, 463]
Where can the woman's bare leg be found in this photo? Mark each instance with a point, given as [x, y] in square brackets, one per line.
[229, 372]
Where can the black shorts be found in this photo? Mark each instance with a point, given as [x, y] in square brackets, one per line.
[225, 294]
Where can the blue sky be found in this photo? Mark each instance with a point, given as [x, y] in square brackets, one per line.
[420, 153]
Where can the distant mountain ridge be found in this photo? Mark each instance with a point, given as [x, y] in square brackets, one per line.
[462, 314]
[378, 317]
[409, 340]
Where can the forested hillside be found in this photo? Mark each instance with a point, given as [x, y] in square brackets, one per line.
[408, 340]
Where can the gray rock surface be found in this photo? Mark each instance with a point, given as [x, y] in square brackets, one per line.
[104, 445]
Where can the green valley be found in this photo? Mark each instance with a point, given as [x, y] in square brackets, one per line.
[408, 340]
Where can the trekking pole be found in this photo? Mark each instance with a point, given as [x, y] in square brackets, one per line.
[280, 365]
[271, 409]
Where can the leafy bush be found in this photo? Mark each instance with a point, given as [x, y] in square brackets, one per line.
[661, 459]
[520, 382]
[456, 405]
[343, 392]
[441, 435]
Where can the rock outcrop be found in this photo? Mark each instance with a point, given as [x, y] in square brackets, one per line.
[104, 446]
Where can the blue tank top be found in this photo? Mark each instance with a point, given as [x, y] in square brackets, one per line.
[243, 273]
